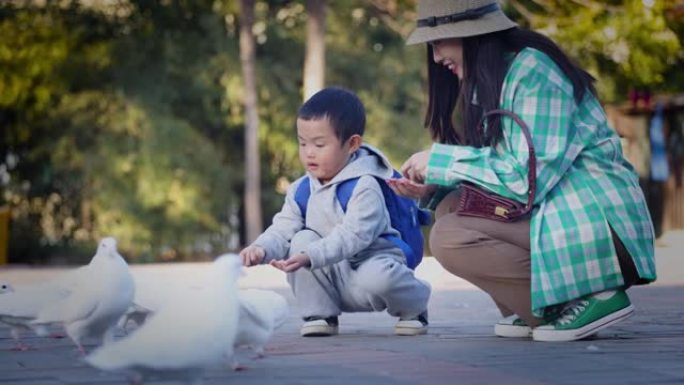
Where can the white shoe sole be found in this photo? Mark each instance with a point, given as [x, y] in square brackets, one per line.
[410, 328]
[546, 333]
[318, 330]
[512, 331]
[409, 331]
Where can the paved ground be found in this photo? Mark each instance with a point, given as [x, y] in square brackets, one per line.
[460, 348]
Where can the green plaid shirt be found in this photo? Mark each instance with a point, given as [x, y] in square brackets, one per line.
[584, 184]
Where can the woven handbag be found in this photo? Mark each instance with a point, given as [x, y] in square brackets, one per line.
[474, 201]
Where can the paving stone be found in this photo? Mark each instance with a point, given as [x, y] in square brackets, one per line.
[460, 349]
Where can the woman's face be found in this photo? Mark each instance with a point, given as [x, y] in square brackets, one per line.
[449, 53]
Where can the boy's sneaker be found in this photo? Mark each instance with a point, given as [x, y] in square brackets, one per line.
[412, 326]
[319, 327]
[512, 327]
[585, 317]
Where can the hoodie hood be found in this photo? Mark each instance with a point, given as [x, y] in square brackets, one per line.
[367, 160]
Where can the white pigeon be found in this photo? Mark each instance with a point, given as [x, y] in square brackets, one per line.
[20, 306]
[178, 342]
[151, 294]
[261, 313]
[102, 292]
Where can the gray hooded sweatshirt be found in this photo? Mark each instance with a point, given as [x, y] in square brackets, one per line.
[354, 235]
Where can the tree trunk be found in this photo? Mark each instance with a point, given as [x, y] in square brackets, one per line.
[314, 61]
[253, 224]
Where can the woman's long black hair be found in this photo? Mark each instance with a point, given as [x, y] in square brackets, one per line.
[452, 117]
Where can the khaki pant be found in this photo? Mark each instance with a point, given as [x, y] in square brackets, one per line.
[495, 256]
[492, 255]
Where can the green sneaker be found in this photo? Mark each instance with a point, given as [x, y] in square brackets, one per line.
[585, 317]
[512, 327]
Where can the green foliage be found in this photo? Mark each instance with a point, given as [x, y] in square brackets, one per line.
[151, 178]
[385, 73]
[625, 44]
[130, 139]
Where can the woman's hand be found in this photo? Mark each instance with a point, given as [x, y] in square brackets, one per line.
[406, 188]
[415, 168]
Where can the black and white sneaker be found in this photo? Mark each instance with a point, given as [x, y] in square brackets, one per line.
[319, 327]
[412, 326]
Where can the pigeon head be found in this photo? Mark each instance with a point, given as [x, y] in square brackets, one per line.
[107, 247]
[5, 288]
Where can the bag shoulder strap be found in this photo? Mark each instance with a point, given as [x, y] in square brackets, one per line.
[531, 161]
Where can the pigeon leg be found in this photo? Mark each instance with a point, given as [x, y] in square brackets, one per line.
[259, 352]
[81, 349]
[22, 347]
[236, 366]
[135, 379]
[19, 346]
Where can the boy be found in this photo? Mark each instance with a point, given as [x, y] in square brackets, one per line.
[335, 260]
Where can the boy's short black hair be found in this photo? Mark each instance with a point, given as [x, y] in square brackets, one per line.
[342, 107]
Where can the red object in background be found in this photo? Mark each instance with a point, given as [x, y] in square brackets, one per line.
[640, 98]
[633, 97]
[646, 98]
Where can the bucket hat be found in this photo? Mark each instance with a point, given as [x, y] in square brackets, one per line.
[444, 19]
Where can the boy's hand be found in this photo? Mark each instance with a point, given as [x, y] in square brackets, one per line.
[252, 255]
[294, 263]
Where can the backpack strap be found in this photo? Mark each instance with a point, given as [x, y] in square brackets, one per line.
[302, 196]
[344, 192]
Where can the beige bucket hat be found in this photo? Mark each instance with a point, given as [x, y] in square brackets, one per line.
[444, 19]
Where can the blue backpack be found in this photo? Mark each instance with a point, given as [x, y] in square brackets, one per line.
[405, 216]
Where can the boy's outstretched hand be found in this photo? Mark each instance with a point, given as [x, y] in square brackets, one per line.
[294, 263]
[252, 255]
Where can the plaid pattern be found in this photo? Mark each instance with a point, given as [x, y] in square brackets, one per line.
[584, 184]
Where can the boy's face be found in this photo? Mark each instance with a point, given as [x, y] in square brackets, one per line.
[320, 151]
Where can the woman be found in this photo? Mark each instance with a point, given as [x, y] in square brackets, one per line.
[561, 273]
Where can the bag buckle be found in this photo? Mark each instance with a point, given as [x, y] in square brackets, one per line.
[501, 211]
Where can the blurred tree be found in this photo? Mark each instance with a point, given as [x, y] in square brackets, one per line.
[252, 195]
[624, 43]
[314, 60]
[120, 131]
[674, 15]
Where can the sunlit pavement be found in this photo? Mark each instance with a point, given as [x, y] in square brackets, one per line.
[460, 348]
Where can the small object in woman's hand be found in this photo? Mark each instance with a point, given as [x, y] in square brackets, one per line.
[402, 181]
